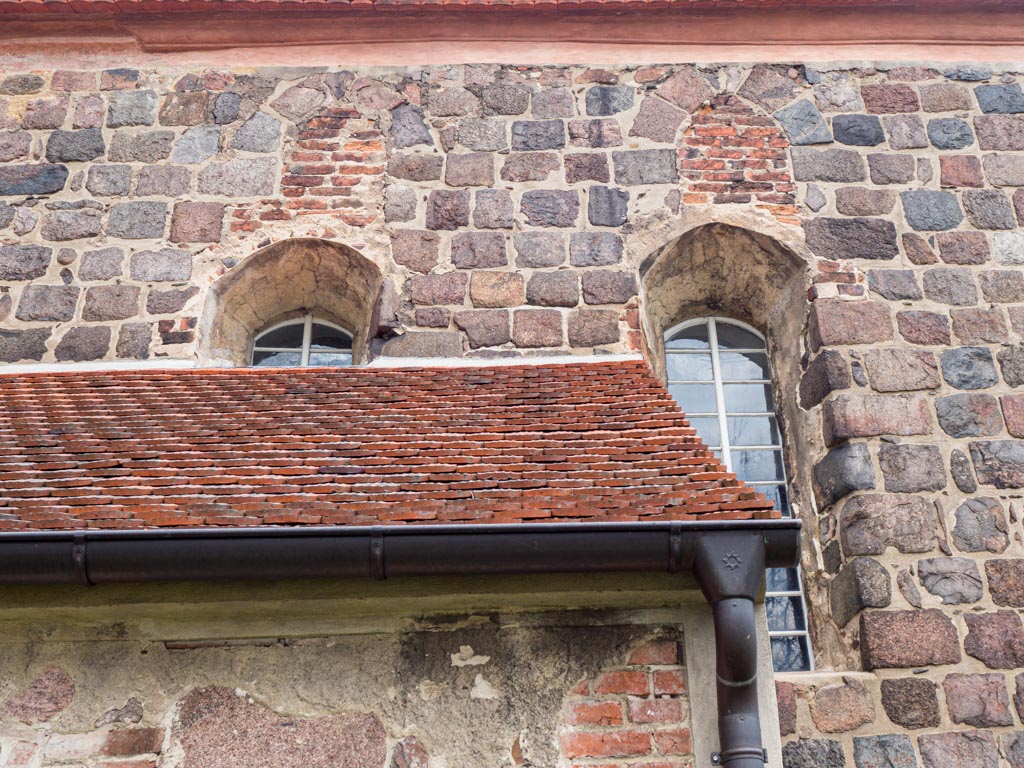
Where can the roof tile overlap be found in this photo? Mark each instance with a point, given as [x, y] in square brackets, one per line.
[357, 446]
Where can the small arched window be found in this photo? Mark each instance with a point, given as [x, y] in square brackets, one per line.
[303, 341]
[718, 373]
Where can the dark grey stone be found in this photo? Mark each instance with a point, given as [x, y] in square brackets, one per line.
[608, 287]
[75, 146]
[645, 166]
[603, 100]
[854, 238]
[894, 284]
[999, 462]
[832, 165]
[887, 168]
[950, 133]
[813, 753]
[1000, 99]
[539, 249]
[929, 210]
[148, 147]
[980, 525]
[24, 262]
[888, 751]
[20, 85]
[16, 346]
[960, 469]
[968, 73]
[607, 207]
[595, 249]
[967, 415]
[260, 133]
[133, 341]
[950, 285]
[7, 213]
[109, 180]
[408, 128]
[225, 110]
[803, 123]
[197, 145]
[72, 224]
[55, 303]
[250, 177]
[843, 469]
[858, 130]
[131, 108]
[530, 135]
[550, 208]
[167, 265]
[969, 368]
[862, 583]
[104, 264]
[1011, 361]
[989, 209]
[912, 468]
[137, 220]
[84, 343]
[35, 179]
[955, 579]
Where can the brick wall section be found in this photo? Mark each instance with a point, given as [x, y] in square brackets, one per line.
[631, 716]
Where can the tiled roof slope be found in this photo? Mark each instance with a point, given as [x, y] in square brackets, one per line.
[244, 447]
[171, 6]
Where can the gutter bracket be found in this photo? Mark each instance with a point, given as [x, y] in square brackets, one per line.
[729, 567]
[79, 559]
[377, 571]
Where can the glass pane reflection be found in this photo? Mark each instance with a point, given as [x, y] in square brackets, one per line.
[707, 430]
[744, 365]
[751, 466]
[694, 398]
[753, 430]
[784, 614]
[276, 359]
[694, 337]
[687, 367]
[733, 337]
[748, 398]
[790, 654]
[288, 336]
[782, 580]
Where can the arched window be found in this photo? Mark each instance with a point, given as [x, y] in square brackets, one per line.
[718, 373]
[300, 342]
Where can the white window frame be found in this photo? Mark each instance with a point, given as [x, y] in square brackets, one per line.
[307, 322]
[712, 322]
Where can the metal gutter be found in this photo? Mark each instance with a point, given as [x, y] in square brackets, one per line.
[728, 559]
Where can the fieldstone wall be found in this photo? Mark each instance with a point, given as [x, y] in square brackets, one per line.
[512, 210]
[444, 696]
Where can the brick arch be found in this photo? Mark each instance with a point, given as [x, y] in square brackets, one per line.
[293, 276]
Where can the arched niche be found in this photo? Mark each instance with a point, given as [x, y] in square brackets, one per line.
[283, 280]
[728, 270]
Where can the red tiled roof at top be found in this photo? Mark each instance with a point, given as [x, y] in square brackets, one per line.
[356, 446]
[171, 6]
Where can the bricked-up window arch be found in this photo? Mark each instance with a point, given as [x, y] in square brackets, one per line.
[719, 374]
[286, 281]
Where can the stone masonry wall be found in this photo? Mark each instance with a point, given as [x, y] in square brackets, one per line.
[450, 697]
[510, 209]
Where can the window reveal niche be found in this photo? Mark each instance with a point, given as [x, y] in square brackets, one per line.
[718, 372]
